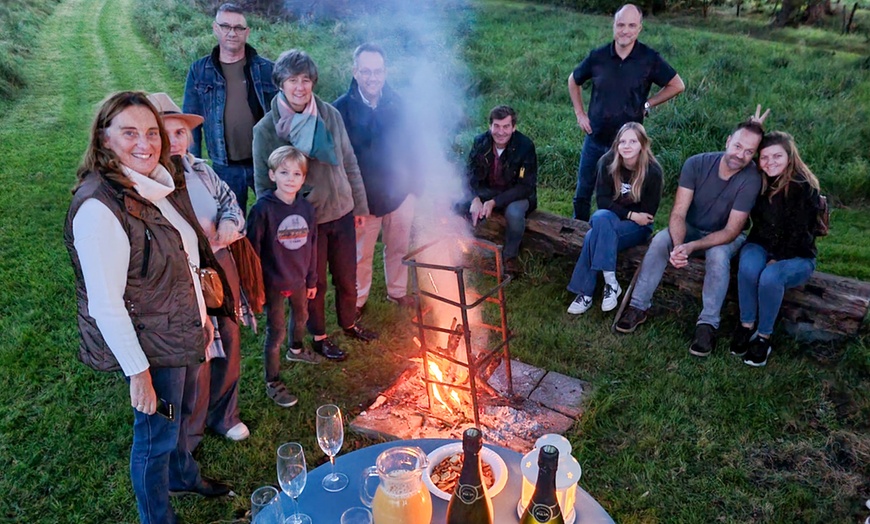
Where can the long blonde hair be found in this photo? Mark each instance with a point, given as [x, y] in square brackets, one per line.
[794, 170]
[644, 159]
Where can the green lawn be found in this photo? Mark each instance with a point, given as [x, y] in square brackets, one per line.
[665, 437]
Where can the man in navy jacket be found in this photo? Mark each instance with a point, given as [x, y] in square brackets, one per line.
[373, 116]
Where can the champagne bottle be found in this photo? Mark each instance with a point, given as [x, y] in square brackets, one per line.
[470, 502]
[544, 506]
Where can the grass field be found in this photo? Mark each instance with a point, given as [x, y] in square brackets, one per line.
[665, 438]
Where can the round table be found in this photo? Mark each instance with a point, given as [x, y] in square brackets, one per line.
[326, 508]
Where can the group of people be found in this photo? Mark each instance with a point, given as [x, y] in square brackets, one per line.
[717, 195]
[149, 218]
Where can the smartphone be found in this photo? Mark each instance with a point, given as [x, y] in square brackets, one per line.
[166, 409]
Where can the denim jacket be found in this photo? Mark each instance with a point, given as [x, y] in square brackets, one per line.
[205, 94]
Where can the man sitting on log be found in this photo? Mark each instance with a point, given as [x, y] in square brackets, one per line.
[715, 195]
[502, 174]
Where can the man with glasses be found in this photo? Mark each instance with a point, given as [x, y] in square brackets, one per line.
[231, 89]
[372, 114]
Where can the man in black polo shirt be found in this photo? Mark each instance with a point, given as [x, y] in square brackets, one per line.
[622, 73]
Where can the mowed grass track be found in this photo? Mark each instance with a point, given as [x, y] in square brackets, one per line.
[62, 455]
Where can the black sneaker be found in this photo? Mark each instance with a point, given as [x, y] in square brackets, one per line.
[705, 340]
[360, 333]
[631, 318]
[757, 352]
[740, 339]
[328, 349]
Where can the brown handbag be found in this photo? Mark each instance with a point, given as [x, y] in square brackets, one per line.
[212, 287]
[250, 273]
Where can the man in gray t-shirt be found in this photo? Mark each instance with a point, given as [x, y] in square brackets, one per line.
[715, 195]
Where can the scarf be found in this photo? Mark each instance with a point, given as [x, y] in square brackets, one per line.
[306, 131]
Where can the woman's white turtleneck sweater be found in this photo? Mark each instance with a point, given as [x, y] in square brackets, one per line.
[104, 253]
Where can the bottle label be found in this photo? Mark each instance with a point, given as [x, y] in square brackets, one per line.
[544, 513]
[469, 494]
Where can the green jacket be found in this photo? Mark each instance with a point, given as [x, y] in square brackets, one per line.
[334, 190]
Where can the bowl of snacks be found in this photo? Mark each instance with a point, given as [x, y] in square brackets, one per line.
[445, 464]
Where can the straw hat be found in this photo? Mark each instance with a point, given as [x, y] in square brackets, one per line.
[168, 109]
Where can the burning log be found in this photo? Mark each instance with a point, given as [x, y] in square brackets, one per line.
[825, 308]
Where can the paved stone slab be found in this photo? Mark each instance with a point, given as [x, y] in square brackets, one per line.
[561, 393]
[525, 378]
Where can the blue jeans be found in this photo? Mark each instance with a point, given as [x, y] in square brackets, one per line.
[587, 175]
[239, 177]
[515, 217]
[609, 235]
[160, 459]
[760, 286]
[717, 272]
[336, 246]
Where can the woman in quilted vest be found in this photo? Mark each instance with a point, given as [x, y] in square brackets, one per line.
[136, 248]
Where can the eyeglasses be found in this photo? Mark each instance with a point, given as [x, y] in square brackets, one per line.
[368, 73]
[226, 28]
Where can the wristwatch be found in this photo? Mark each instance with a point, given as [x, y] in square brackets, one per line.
[646, 108]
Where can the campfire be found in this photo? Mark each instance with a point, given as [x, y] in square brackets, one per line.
[464, 375]
[457, 360]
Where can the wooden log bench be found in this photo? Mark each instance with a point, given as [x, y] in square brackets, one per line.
[828, 307]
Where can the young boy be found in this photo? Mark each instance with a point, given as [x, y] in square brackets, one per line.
[282, 228]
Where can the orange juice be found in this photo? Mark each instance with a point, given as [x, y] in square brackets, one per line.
[395, 503]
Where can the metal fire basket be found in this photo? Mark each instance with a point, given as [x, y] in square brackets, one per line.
[494, 295]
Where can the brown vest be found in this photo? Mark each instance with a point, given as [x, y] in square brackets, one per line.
[160, 296]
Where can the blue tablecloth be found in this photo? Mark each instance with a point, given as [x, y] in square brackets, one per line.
[326, 508]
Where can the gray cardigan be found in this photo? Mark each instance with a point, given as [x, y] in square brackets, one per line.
[334, 190]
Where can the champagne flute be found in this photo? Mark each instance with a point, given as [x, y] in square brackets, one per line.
[330, 436]
[292, 474]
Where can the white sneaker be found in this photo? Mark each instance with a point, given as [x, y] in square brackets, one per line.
[580, 305]
[238, 432]
[611, 297]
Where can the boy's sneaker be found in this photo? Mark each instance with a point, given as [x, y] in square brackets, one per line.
[740, 339]
[277, 391]
[757, 352]
[704, 341]
[631, 318]
[611, 297]
[580, 305]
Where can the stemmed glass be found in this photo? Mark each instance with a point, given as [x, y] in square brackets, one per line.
[330, 436]
[292, 474]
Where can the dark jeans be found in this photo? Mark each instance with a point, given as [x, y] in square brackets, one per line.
[515, 216]
[215, 386]
[160, 459]
[761, 286]
[336, 245]
[239, 177]
[276, 329]
[586, 176]
[609, 235]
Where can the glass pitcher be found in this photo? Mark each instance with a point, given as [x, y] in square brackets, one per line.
[400, 497]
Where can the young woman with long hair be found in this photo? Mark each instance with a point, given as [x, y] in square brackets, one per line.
[780, 251]
[628, 192]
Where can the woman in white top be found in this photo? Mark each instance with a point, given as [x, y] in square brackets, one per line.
[135, 246]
